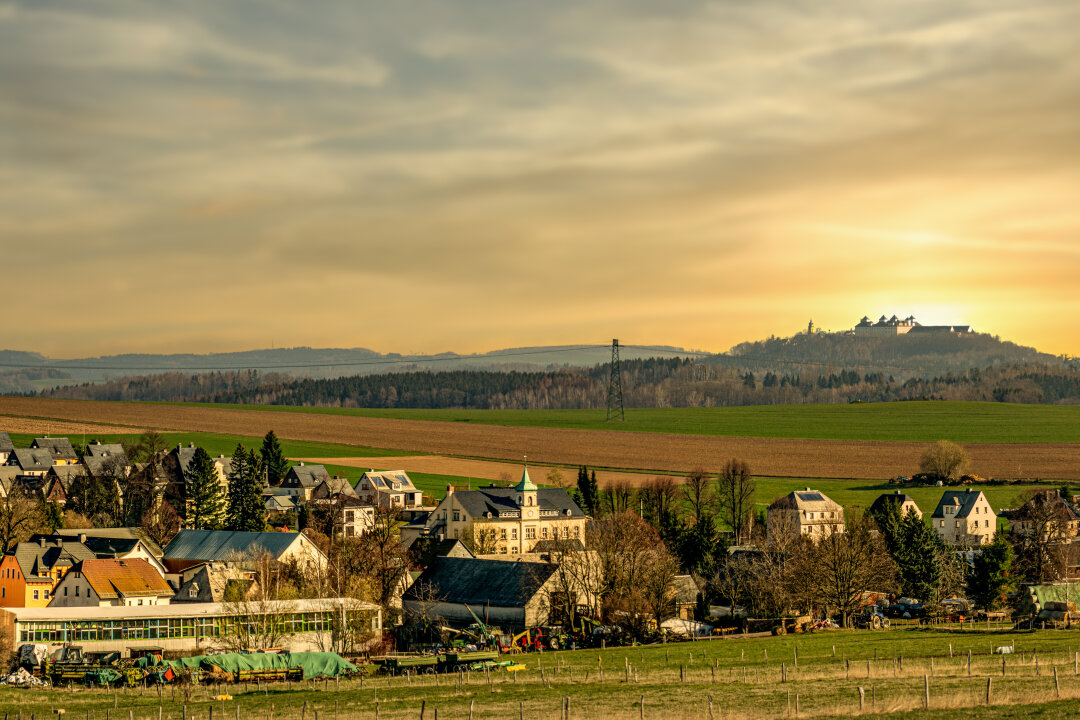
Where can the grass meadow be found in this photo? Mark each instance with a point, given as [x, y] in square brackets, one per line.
[923, 421]
[817, 675]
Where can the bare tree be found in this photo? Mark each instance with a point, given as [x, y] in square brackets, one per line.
[161, 522]
[617, 498]
[698, 494]
[257, 619]
[622, 544]
[385, 560]
[1040, 535]
[659, 497]
[839, 567]
[735, 497]
[21, 515]
[944, 459]
[480, 538]
[732, 580]
[658, 582]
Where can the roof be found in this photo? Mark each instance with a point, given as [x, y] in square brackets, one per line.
[526, 483]
[5, 442]
[502, 502]
[385, 480]
[686, 590]
[335, 486]
[104, 451]
[307, 476]
[897, 498]
[120, 533]
[57, 447]
[29, 459]
[1061, 510]
[66, 473]
[964, 500]
[481, 582]
[279, 502]
[36, 559]
[550, 546]
[100, 546]
[808, 500]
[227, 545]
[111, 578]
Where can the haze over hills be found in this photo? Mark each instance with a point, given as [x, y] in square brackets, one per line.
[808, 367]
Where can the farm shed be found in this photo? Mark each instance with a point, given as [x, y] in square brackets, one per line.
[511, 595]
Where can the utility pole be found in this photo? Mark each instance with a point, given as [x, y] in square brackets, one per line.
[614, 393]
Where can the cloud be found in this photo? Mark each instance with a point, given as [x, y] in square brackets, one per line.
[514, 173]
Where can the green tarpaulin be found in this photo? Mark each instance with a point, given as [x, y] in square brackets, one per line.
[314, 664]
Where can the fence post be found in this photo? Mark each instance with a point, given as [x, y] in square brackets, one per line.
[862, 698]
[926, 691]
[1002, 666]
[641, 708]
[1057, 687]
[969, 662]
[472, 704]
[989, 685]
[423, 706]
[710, 708]
[847, 669]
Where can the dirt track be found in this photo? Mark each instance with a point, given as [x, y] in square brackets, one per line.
[604, 449]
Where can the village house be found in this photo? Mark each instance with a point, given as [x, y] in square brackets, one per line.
[964, 518]
[59, 449]
[805, 512]
[103, 582]
[31, 462]
[58, 482]
[109, 544]
[6, 447]
[30, 570]
[302, 479]
[511, 595]
[193, 547]
[216, 582]
[905, 502]
[389, 489]
[1047, 514]
[106, 459]
[507, 521]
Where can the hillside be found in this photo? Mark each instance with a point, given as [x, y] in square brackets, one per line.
[907, 356]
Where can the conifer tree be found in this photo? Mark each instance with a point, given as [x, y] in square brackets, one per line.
[273, 458]
[204, 499]
[246, 482]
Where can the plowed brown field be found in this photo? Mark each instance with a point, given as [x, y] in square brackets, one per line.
[33, 426]
[653, 452]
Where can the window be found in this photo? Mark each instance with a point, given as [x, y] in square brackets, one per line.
[543, 533]
[76, 591]
[514, 549]
[957, 523]
[36, 595]
[65, 591]
[576, 531]
[565, 532]
[942, 523]
[504, 550]
[502, 534]
[457, 515]
[530, 533]
[513, 534]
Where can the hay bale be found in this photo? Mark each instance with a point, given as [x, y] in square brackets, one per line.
[1058, 606]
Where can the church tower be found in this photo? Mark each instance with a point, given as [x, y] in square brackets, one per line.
[526, 491]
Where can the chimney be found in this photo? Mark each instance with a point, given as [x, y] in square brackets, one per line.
[807, 488]
[191, 444]
[449, 490]
[301, 463]
[41, 541]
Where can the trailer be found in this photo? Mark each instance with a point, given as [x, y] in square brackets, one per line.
[401, 664]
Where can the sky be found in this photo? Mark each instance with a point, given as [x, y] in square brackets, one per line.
[469, 175]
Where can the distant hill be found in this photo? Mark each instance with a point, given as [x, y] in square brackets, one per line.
[915, 355]
[23, 372]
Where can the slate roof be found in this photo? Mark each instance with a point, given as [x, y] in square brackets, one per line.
[225, 545]
[1063, 511]
[806, 500]
[59, 448]
[964, 500]
[105, 451]
[134, 577]
[36, 558]
[280, 503]
[8, 473]
[120, 535]
[550, 546]
[503, 501]
[212, 582]
[479, 582]
[333, 487]
[5, 442]
[897, 498]
[64, 474]
[102, 547]
[686, 590]
[306, 476]
[31, 459]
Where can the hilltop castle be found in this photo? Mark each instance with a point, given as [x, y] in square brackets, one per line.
[894, 326]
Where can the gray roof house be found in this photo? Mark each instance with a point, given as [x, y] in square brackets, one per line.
[60, 448]
[191, 547]
[214, 583]
[31, 461]
[302, 479]
[964, 518]
[904, 502]
[389, 489]
[512, 595]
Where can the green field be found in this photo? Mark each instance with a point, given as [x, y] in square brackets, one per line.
[742, 676]
[927, 421]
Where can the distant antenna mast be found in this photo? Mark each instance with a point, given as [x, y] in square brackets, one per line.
[614, 392]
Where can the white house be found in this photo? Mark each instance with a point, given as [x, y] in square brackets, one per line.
[100, 583]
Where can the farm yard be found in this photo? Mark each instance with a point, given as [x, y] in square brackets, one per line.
[825, 674]
[649, 452]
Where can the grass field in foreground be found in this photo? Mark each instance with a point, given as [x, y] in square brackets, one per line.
[742, 676]
[925, 421]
